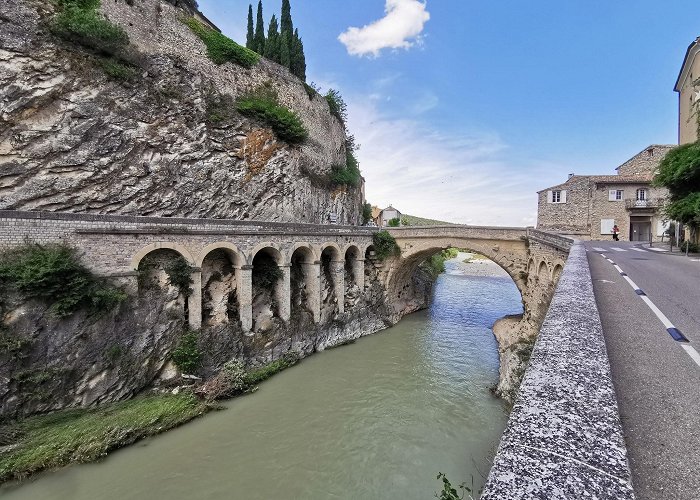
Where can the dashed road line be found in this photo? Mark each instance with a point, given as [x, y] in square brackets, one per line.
[619, 249]
[598, 249]
[692, 353]
[674, 332]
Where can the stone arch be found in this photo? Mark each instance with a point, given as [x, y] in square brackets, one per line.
[230, 248]
[542, 270]
[221, 281]
[351, 254]
[297, 246]
[270, 248]
[162, 245]
[304, 282]
[508, 255]
[531, 266]
[332, 280]
[270, 292]
[556, 272]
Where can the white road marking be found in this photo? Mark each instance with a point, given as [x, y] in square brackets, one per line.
[598, 249]
[667, 323]
[619, 249]
[605, 281]
[639, 250]
[654, 249]
[692, 353]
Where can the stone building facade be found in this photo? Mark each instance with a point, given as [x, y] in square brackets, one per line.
[688, 88]
[588, 206]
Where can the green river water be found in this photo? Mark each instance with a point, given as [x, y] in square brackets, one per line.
[377, 419]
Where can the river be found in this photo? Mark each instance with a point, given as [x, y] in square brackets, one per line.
[377, 419]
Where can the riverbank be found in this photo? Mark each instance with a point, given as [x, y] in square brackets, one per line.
[84, 435]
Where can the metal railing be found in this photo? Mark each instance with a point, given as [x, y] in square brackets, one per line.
[649, 203]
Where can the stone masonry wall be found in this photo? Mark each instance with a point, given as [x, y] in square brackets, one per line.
[572, 216]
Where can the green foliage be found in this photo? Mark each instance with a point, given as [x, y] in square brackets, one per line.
[272, 44]
[266, 272]
[395, 222]
[80, 22]
[49, 441]
[262, 105]
[250, 34]
[12, 344]
[119, 70]
[348, 175]
[187, 354]
[337, 105]
[219, 108]
[113, 353]
[366, 213]
[679, 172]
[220, 48]
[54, 274]
[689, 246]
[259, 38]
[290, 358]
[435, 265]
[449, 492]
[297, 58]
[180, 275]
[385, 245]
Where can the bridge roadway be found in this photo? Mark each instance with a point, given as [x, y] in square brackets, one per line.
[656, 378]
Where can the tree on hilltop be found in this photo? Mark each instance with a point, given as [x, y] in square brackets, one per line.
[250, 37]
[260, 31]
[272, 44]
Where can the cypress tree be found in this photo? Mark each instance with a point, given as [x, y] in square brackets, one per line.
[250, 37]
[298, 59]
[286, 25]
[285, 51]
[272, 45]
[260, 31]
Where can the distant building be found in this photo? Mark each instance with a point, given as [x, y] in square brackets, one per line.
[588, 206]
[688, 88]
[386, 215]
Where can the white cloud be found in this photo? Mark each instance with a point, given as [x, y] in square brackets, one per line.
[452, 177]
[398, 29]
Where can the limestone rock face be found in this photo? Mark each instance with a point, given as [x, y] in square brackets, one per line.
[73, 139]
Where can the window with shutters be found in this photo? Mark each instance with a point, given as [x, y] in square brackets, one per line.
[641, 194]
[615, 194]
[556, 196]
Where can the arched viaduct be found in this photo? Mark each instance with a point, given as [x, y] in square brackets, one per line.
[116, 246]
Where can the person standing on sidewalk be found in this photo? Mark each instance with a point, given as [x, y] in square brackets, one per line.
[615, 231]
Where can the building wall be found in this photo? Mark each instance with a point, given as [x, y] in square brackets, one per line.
[645, 163]
[568, 217]
[688, 113]
[603, 208]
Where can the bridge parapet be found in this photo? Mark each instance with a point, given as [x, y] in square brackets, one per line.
[460, 231]
[551, 239]
[564, 438]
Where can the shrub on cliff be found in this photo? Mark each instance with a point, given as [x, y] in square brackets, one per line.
[385, 245]
[262, 105]
[80, 22]
[220, 48]
[187, 354]
[54, 274]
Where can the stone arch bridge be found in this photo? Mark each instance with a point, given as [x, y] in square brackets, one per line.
[115, 246]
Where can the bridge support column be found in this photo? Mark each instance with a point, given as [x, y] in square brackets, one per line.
[358, 272]
[194, 301]
[312, 275]
[283, 293]
[245, 297]
[338, 272]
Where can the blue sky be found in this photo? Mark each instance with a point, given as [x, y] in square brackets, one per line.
[464, 109]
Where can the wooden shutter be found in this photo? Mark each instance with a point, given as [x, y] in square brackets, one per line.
[612, 195]
[563, 196]
[606, 226]
[549, 197]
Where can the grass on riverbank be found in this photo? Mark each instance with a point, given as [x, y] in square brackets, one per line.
[75, 436]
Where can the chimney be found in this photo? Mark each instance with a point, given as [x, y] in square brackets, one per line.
[571, 175]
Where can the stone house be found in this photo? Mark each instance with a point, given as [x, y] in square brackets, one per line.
[688, 88]
[386, 215]
[588, 206]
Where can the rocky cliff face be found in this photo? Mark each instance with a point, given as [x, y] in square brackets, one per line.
[74, 139]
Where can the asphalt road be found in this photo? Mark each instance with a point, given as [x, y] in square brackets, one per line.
[656, 380]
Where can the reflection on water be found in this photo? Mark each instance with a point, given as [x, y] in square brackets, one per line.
[377, 419]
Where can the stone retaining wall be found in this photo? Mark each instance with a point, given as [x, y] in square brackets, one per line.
[564, 438]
